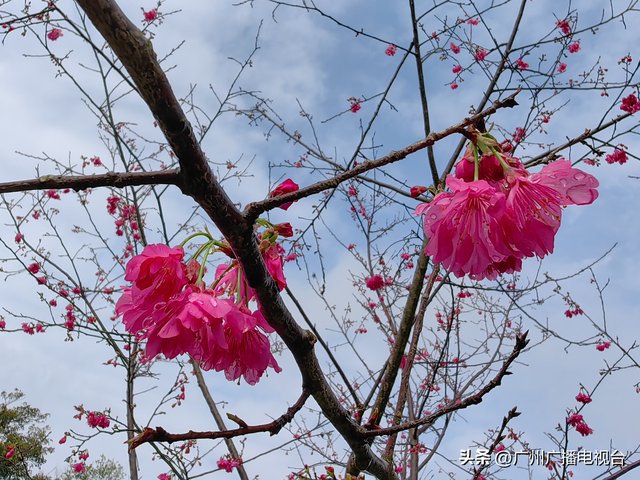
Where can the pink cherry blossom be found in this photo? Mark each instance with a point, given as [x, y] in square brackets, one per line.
[34, 268]
[521, 65]
[562, 67]
[375, 283]
[574, 420]
[54, 34]
[630, 104]
[454, 86]
[228, 464]
[97, 419]
[3, 324]
[583, 398]
[79, 468]
[417, 191]
[564, 26]
[19, 237]
[486, 227]
[473, 21]
[10, 452]
[584, 429]
[248, 354]
[284, 229]
[481, 55]
[391, 50]
[455, 49]
[618, 156]
[457, 69]
[187, 323]
[26, 328]
[574, 47]
[157, 274]
[164, 476]
[151, 15]
[463, 227]
[273, 258]
[285, 187]
[63, 440]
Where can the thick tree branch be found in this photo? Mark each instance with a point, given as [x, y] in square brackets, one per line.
[82, 182]
[254, 209]
[161, 435]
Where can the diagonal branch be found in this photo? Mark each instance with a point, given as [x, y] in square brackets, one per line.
[254, 209]
[521, 343]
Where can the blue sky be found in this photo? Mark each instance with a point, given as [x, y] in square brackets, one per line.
[308, 61]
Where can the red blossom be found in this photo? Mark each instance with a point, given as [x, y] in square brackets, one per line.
[618, 156]
[34, 268]
[228, 464]
[26, 328]
[630, 104]
[564, 26]
[151, 15]
[79, 468]
[481, 55]
[54, 34]
[457, 69]
[583, 398]
[391, 50]
[285, 187]
[562, 67]
[454, 48]
[603, 346]
[584, 429]
[284, 229]
[521, 65]
[417, 191]
[574, 47]
[375, 283]
[3, 324]
[473, 21]
[454, 86]
[19, 237]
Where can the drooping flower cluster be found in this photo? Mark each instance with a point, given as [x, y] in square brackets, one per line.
[577, 421]
[170, 306]
[498, 213]
[97, 419]
[630, 104]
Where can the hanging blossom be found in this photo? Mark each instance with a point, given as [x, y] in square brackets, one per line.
[170, 306]
[497, 213]
[391, 50]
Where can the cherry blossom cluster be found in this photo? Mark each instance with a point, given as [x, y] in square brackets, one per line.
[170, 306]
[228, 464]
[497, 213]
[578, 422]
[97, 419]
